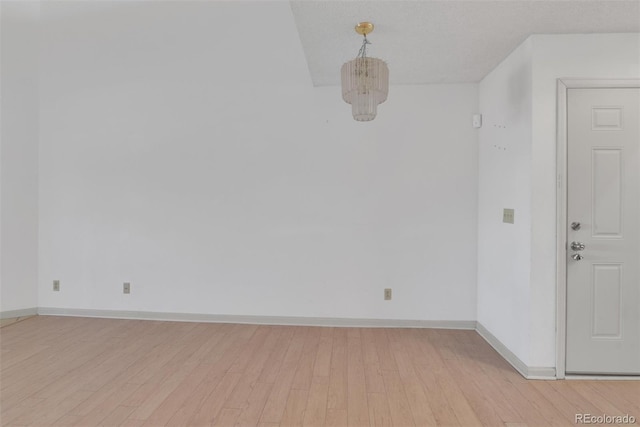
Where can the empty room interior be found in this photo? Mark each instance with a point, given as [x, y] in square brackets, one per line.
[345, 213]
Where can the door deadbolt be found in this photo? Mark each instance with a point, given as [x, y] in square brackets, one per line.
[575, 226]
[577, 257]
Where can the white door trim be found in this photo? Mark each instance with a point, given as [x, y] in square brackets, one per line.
[561, 203]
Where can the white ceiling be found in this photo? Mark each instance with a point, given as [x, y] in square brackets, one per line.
[438, 41]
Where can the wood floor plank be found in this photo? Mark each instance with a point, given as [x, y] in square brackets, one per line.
[419, 403]
[49, 410]
[316, 410]
[372, 370]
[401, 353]
[115, 386]
[46, 371]
[379, 413]
[175, 399]
[513, 399]
[68, 420]
[577, 400]
[622, 404]
[305, 368]
[212, 375]
[558, 400]
[385, 358]
[277, 402]
[9, 413]
[591, 393]
[294, 410]
[627, 393]
[213, 369]
[239, 398]
[90, 372]
[92, 369]
[255, 342]
[213, 404]
[398, 404]
[491, 387]
[336, 417]
[227, 417]
[177, 373]
[537, 400]
[130, 422]
[272, 366]
[437, 400]
[178, 398]
[357, 407]
[322, 364]
[114, 378]
[21, 354]
[481, 397]
[337, 394]
[407, 356]
[117, 416]
[256, 400]
[104, 409]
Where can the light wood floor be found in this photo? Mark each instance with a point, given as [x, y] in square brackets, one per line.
[11, 320]
[77, 371]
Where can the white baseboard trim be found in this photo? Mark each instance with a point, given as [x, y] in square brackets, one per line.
[529, 372]
[259, 320]
[10, 314]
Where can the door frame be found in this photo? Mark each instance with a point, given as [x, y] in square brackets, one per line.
[563, 85]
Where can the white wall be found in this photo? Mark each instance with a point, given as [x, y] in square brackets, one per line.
[597, 56]
[19, 155]
[198, 163]
[517, 166]
[504, 181]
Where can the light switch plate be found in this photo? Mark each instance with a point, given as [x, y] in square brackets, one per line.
[508, 216]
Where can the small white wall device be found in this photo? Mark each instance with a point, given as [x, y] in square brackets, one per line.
[477, 121]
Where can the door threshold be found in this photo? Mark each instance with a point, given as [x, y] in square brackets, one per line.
[603, 377]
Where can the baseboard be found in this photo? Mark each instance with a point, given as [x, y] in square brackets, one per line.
[541, 373]
[529, 372]
[10, 314]
[260, 320]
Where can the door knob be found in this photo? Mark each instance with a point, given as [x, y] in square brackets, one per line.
[577, 246]
[577, 257]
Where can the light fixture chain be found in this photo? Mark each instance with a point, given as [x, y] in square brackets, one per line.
[362, 53]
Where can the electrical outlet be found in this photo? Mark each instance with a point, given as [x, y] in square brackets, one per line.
[508, 216]
[126, 288]
[56, 285]
[387, 294]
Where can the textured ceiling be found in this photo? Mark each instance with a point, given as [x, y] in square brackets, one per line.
[447, 40]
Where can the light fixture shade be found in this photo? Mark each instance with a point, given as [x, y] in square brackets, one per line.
[365, 84]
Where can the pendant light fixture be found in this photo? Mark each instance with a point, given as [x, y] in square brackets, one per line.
[365, 80]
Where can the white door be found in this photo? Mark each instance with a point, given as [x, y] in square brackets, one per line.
[603, 213]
